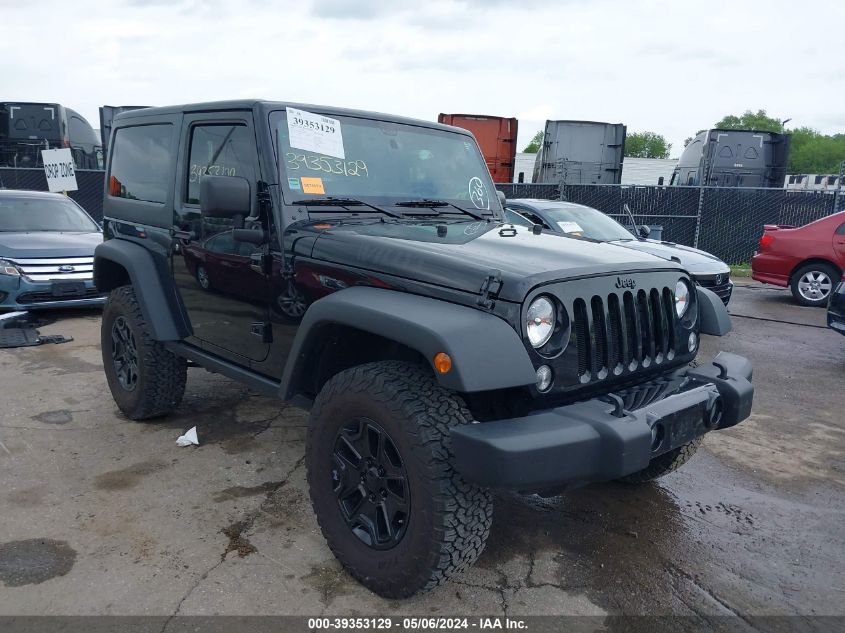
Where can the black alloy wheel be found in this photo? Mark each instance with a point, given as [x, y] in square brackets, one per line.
[371, 484]
[124, 353]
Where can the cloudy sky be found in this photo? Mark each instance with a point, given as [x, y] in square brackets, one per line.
[669, 67]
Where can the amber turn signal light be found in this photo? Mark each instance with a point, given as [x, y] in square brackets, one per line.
[442, 362]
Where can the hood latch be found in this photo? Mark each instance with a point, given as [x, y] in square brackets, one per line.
[490, 289]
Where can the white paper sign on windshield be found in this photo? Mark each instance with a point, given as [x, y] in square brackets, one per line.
[315, 133]
[570, 227]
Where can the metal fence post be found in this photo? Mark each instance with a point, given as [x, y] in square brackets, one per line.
[837, 196]
[698, 219]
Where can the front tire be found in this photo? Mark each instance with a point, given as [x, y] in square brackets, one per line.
[146, 379]
[812, 284]
[379, 446]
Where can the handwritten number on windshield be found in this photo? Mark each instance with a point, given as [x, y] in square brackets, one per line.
[326, 164]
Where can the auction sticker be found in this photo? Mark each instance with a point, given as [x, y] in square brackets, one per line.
[570, 227]
[315, 133]
[293, 183]
[312, 185]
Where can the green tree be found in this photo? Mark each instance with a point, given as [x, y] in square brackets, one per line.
[534, 146]
[812, 152]
[646, 145]
[749, 120]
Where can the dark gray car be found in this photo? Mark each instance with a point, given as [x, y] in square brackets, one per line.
[580, 221]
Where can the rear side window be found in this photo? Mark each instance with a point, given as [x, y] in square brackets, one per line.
[219, 150]
[141, 162]
[841, 229]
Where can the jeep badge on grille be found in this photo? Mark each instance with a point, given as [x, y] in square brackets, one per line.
[625, 283]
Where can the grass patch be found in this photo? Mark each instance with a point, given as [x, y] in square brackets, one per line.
[740, 270]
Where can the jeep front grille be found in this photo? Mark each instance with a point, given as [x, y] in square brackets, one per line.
[56, 268]
[623, 332]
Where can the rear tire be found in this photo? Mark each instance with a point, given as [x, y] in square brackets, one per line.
[812, 284]
[146, 379]
[664, 464]
[202, 278]
[444, 521]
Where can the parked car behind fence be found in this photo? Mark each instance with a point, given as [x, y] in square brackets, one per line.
[726, 222]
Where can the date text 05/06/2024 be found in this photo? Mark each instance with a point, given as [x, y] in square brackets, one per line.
[416, 623]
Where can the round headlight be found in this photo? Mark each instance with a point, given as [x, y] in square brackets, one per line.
[540, 321]
[682, 298]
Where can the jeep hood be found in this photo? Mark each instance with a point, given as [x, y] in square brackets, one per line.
[463, 254]
[692, 259]
[48, 244]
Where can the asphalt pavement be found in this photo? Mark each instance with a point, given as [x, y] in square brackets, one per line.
[101, 515]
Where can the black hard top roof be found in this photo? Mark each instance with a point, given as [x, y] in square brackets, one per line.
[268, 106]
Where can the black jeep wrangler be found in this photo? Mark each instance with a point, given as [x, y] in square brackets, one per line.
[358, 264]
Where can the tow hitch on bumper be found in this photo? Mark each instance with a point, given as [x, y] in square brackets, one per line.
[600, 439]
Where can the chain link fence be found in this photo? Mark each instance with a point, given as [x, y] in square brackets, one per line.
[725, 221]
[90, 183]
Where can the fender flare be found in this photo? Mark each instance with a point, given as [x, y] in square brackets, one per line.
[712, 313]
[486, 352]
[151, 279]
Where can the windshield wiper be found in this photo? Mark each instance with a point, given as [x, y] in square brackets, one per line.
[344, 203]
[633, 222]
[432, 204]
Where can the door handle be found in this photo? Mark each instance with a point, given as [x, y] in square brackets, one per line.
[182, 235]
[260, 263]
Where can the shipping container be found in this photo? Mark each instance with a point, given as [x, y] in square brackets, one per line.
[581, 152]
[496, 137]
[734, 158]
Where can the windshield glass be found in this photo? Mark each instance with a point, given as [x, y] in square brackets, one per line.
[43, 214]
[586, 222]
[379, 161]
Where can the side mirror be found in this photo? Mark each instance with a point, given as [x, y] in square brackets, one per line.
[502, 198]
[645, 230]
[224, 196]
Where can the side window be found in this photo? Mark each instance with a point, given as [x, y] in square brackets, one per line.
[533, 217]
[219, 150]
[223, 243]
[140, 164]
[512, 216]
[841, 229]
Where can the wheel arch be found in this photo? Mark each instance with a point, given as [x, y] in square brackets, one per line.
[487, 354]
[813, 260]
[121, 262]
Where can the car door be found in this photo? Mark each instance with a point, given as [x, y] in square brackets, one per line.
[226, 320]
[839, 245]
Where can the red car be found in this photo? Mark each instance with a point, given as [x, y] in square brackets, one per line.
[809, 259]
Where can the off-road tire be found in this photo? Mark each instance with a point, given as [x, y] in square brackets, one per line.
[161, 374]
[664, 464]
[829, 270]
[449, 519]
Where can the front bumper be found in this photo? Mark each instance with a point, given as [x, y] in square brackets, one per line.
[720, 284]
[836, 309]
[18, 293]
[602, 439]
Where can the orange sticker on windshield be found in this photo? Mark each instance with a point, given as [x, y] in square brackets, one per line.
[312, 185]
